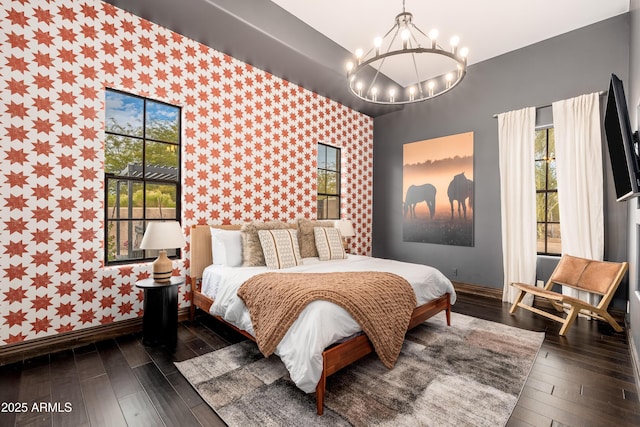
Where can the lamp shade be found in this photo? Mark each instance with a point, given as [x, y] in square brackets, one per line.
[163, 235]
[346, 228]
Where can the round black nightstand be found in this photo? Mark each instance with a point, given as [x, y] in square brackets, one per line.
[160, 318]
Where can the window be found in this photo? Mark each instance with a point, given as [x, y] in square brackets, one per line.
[142, 172]
[547, 210]
[328, 182]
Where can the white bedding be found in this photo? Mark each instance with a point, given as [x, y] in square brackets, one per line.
[321, 323]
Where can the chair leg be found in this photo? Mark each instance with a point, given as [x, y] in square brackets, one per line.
[518, 300]
[606, 316]
[559, 307]
[571, 317]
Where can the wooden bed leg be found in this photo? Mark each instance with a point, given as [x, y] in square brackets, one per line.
[447, 312]
[192, 309]
[320, 388]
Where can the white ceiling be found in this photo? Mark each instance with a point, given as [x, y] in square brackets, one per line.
[487, 27]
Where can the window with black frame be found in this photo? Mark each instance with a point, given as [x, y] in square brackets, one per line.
[549, 241]
[328, 199]
[142, 172]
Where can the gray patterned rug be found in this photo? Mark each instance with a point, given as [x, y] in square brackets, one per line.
[469, 374]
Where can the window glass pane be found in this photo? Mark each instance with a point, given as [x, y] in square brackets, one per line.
[161, 201]
[553, 209]
[123, 240]
[554, 241]
[333, 159]
[322, 156]
[540, 207]
[321, 208]
[162, 122]
[333, 207]
[540, 237]
[121, 154]
[322, 181]
[332, 183]
[161, 161]
[540, 144]
[552, 144]
[124, 199]
[123, 114]
[541, 174]
[552, 183]
[328, 207]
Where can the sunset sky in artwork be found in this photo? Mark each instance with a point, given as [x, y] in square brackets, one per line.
[442, 153]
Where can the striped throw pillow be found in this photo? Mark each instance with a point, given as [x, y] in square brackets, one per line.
[280, 248]
[329, 243]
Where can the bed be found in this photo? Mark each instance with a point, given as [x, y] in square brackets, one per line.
[213, 291]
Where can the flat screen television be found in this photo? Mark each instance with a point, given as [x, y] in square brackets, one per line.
[622, 143]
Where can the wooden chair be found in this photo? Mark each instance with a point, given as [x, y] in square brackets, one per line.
[597, 277]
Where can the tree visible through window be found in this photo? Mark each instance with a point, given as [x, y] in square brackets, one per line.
[547, 210]
[328, 182]
[142, 172]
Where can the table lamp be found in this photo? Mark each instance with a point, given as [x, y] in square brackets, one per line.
[162, 235]
[346, 230]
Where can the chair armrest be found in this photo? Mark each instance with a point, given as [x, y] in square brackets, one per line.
[541, 292]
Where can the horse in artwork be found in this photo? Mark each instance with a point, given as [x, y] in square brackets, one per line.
[417, 194]
[460, 189]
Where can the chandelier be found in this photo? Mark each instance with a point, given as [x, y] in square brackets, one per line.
[423, 69]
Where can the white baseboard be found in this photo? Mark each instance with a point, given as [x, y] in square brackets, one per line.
[635, 360]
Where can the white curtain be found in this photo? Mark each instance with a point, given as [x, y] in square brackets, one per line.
[516, 138]
[579, 166]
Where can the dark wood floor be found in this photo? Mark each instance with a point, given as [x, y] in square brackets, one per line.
[585, 379]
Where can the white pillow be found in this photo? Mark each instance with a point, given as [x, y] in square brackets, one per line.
[280, 248]
[226, 247]
[329, 243]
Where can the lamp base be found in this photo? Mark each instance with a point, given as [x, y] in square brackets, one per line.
[162, 268]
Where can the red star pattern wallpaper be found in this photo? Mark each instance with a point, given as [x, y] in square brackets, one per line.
[249, 153]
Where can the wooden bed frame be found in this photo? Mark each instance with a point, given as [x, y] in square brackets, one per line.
[334, 357]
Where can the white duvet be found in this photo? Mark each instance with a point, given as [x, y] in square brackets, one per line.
[321, 323]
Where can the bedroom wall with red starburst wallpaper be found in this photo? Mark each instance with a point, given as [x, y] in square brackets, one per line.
[249, 153]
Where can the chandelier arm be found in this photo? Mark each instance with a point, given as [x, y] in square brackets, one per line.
[415, 67]
[420, 31]
[384, 58]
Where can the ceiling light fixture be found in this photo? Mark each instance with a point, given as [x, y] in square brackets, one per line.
[429, 70]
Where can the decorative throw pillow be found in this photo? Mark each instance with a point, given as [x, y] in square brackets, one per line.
[329, 243]
[251, 250]
[280, 248]
[306, 238]
[226, 247]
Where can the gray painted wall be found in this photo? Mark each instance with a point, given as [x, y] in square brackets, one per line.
[566, 66]
[633, 99]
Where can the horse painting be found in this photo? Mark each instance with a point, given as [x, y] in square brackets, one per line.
[419, 193]
[460, 189]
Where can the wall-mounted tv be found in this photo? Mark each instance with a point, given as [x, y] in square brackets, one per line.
[622, 142]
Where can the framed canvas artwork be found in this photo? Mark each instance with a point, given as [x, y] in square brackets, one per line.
[437, 189]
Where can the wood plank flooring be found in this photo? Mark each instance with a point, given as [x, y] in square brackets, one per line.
[585, 379]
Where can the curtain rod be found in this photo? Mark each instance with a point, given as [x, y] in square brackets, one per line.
[601, 93]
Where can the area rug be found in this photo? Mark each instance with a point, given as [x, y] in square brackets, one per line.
[469, 374]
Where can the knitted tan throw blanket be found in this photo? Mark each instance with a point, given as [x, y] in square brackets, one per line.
[382, 303]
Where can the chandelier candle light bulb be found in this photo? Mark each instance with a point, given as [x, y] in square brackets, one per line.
[423, 64]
